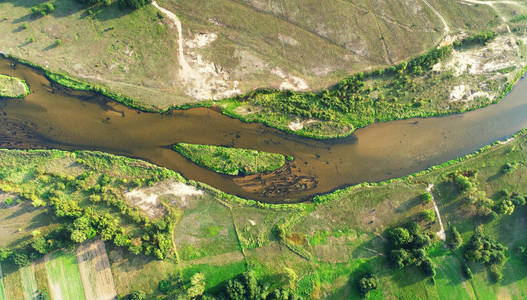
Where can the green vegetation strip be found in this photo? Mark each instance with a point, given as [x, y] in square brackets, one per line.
[2, 288]
[12, 87]
[64, 276]
[231, 161]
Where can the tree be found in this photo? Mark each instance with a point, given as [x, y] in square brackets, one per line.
[197, 285]
[235, 290]
[400, 236]
[134, 4]
[453, 238]
[428, 267]
[399, 258]
[426, 197]
[40, 245]
[367, 283]
[428, 215]
[137, 295]
[505, 207]
[253, 288]
[20, 259]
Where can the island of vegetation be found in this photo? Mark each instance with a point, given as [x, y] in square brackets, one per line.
[11, 87]
[231, 161]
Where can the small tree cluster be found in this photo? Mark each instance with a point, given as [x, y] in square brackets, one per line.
[366, 283]
[483, 249]
[453, 238]
[408, 247]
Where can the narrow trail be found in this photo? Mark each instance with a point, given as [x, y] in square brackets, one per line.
[441, 233]
[181, 57]
[440, 16]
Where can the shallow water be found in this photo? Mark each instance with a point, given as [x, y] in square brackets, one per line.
[56, 117]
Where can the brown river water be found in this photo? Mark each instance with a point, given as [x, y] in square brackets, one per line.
[56, 117]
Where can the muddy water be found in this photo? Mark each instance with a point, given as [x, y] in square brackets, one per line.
[54, 117]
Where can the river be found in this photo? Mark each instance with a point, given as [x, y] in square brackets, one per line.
[56, 117]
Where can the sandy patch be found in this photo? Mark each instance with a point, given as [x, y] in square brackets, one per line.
[441, 233]
[299, 125]
[203, 80]
[287, 40]
[95, 271]
[149, 199]
[458, 92]
[290, 82]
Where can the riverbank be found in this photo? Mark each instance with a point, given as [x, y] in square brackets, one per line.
[438, 83]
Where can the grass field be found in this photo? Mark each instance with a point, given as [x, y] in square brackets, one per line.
[231, 161]
[64, 276]
[12, 282]
[95, 271]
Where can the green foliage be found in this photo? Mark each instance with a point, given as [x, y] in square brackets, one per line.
[462, 182]
[518, 18]
[43, 9]
[485, 250]
[467, 272]
[509, 168]
[231, 161]
[426, 197]
[481, 38]
[133, 4]
[505, 207]
[399, 237]
[453, 238]
[428, 215]
[367, 283]
[137, 295]
[20, 259]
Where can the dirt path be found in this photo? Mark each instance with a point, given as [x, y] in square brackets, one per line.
[441, 233]
[181, 57]
[203, 80]
[440, 16]
[95, 271]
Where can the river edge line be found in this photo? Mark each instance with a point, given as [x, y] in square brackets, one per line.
[70, 82]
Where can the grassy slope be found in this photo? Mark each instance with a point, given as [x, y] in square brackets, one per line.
[12, 87]
[231, 161]
[63, 272]
[136, 51]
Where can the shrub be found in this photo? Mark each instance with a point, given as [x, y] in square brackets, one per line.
[505, 207]
[426, 197]
[43, 9]
[453, 238]
[518, 200]
[399, 237]
[467, 272]
[367, 283]
[137, 295]
[428, 215]
[20, 259]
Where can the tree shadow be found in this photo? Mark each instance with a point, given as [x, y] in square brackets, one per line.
[409, 204]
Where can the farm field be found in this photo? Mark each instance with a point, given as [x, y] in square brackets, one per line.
[64, 276]
[29, 282]
[95, 271]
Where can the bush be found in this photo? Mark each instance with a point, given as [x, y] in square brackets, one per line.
[426, 197]
[505, 207]
[134, 4]
[453, 238]
[367, 283]
[20, 259]
[428, 215]
[481, 38]
[137, 295]
[467, 272]
[43, 9]
[399, 237]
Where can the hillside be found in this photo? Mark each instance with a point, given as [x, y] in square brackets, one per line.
[229, 46]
